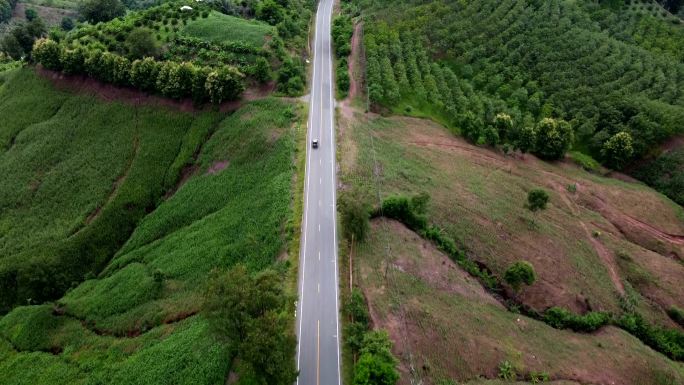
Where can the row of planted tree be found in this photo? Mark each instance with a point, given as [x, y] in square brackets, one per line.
[166, 78]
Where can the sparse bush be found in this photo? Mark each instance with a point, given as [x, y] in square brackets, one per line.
[537, 199]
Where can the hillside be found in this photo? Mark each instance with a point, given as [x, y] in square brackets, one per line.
[613, 73]
[602, 245]
[604, 254]
[165, 199]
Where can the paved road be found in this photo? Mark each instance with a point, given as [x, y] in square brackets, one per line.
[318, 353]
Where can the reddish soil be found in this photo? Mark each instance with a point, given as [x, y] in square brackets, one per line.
[355, 74]
[216, 167]
[109, 92]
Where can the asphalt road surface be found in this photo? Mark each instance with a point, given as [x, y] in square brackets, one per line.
[318, 352]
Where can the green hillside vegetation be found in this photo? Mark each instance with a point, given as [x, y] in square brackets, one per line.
[218, 27]
[464, 63]
[195, 52]
[140, 320]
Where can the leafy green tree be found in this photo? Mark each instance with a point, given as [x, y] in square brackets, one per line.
[96, 11]
[141, 43]
[527, 139]
[618, 150]
[144, 74]
[47, 52]
[270, 12]
[377, 365]
[249, 312]
[537, 199]
[554, 138]
[373, 370]
[223, 85]
[354, 216]
[269, 349]
[519, 273]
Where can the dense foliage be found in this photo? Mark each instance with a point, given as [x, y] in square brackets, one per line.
[465, 63]
[665, 173]
[248, 311]
[6, 8]
[519, 273]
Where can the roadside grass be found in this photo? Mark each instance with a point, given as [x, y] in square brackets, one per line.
[137, 321]
[218, 28]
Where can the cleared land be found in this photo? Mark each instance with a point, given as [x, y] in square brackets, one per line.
[602, 242]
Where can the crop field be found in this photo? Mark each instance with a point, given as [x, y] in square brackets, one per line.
[219, 28]
[177, 195]
[587, 252]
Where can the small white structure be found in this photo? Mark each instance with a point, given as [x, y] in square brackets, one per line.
[186, 8]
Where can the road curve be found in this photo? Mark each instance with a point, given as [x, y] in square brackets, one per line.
[318, 331]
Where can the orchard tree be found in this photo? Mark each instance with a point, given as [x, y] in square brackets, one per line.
[270, 12]
[554, 137]
[47, 52]
[95, 11]
[223, 84]
[527, 139]
[262, 70]
[504, 125]
[73, 61]
[144, 74]
[618, 150]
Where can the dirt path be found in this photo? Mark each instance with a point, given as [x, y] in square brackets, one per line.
[604, 254]
[355, 75]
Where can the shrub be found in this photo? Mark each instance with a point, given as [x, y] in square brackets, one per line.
[262, 70]
[519, 273]
[537, 199]
[47, 52]
[377, 365]
[560, 318]
[411, 212]
[668, 342]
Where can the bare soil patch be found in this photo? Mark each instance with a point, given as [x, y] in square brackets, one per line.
[110, 93]
[216, 167]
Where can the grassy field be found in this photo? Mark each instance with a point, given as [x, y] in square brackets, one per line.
[137, 321]
[588, 250]
[224, 28]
